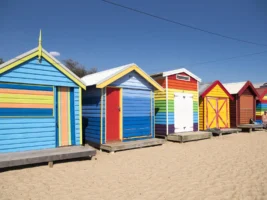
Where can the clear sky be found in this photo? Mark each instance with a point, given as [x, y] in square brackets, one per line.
[100, 35]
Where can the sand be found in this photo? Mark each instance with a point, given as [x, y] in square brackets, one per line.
[228, 167]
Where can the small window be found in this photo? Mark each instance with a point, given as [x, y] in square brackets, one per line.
[182, 77]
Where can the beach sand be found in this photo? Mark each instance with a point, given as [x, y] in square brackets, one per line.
[228, 167]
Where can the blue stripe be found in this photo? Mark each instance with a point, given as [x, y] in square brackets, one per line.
[72, 117]
[91, 128]
[25, 112]
[26, 87]
[136, 126]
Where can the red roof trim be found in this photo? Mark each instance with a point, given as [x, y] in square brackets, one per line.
[213, 85]
[248, 84]
[263, 94]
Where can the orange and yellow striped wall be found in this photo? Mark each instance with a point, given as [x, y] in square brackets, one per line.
[26, 100]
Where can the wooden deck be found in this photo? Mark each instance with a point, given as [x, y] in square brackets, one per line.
[189, 136]
[46, 155]
[250, 127]
[119, 146]
[224, 131]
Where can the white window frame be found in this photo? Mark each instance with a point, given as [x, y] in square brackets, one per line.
[189, 78]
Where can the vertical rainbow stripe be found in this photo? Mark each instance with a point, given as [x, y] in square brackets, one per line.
[64, 116]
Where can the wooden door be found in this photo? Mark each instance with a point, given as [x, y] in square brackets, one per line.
[211, 112]
[113, 114]
[223, 113]
[65, 132]
[183, 112]
[246, 108]
[217, 115]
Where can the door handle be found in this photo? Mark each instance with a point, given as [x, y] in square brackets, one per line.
[119, 108]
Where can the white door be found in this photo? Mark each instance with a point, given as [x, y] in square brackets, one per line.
[183, 112]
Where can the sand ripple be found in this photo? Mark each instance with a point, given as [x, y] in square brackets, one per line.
[228, 167]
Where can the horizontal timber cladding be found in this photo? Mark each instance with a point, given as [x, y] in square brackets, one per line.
[261, 106]
[17, 100]
[137, 113]
[217, 91]
[33, 133]
[132, 80]
[29, 105]
[181, 84]
[174, 86]
[214, 108]
[201, 114]
[34, 72]
[21, 134]
[91, 114]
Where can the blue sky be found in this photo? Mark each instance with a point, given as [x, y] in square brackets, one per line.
[100, 35]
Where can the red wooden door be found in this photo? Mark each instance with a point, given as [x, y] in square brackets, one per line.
[113, 114]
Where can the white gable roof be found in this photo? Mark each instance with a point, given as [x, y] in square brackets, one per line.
[177, 71]
[234, 88]
[18, 57]
[99, 77]
[203, 87]
[260, 85]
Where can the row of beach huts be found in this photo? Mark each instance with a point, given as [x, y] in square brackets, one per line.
[43, 105]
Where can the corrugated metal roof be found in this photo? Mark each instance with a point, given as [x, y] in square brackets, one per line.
[203, 87]
[177, 71]
[96, 78]
[234, 88]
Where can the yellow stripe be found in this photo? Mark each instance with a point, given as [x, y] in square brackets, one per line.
[28, 96]
[259, 113]
[36, 101]
[18, 62]
[162, 95]
[80, 105]
[64, 71]
[128, 70]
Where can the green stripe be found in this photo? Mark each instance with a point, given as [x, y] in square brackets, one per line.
[161, 106]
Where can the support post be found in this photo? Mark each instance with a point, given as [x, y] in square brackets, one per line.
[50, 164]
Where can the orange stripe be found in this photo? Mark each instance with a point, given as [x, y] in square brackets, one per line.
[25, 105]
[35, 92]
[64, 117]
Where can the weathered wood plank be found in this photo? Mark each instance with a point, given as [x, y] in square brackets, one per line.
[224, 131]
[250, 127]
[46, 155]
[188, 136]
[119, 146]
